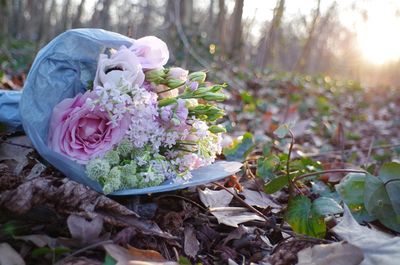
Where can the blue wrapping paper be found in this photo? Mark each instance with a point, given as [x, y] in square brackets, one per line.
[9, 108]
[64, 68]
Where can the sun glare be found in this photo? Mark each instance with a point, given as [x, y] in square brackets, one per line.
[379, 37]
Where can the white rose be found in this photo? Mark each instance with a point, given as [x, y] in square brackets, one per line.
[123, 64]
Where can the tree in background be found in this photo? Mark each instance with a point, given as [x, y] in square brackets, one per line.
[200, 33]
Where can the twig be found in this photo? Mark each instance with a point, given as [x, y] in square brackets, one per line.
[369, 152]
[183, 198]
[273, 226]
[385, 146]
[329, 171]
[94, 245]
[11, 143]
[251, 208]
[291, 188]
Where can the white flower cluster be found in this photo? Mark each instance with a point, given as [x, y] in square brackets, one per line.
[167, 135]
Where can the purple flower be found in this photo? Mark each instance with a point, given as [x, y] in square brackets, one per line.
[181, 111]
[166, 113]
[193, 85]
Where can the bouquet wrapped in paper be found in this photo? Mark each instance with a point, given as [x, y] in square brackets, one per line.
[106, 111]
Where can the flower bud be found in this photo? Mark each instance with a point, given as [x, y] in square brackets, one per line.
[192, 85]
[175, 83]
[177, 73]
[191, 103]
[217, 129]
[213, 96]
[157, 76]
[197, 77]
[166, 101]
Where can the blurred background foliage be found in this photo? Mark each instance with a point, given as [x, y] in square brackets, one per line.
[225, 35]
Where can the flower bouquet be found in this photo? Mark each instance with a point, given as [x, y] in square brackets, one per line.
[137, 126]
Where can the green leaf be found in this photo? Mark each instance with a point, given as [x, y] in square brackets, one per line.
[378, 203]
[389, 171]
[109, 260]
[240, 149]
[266, 166]
[41, 251]
[351, 190]
[61, 250]
[275, 184]
[390, 175]
[303, 218]
[282, 131]
[326, 206]
[247, 97]
[184, 261]
[267, 148]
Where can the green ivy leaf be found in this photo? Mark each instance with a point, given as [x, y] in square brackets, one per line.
[266, 166]
[275, 184]
[351, 190]
[378, 203]
[109, 260]
[390, 175]
[282, 131]
[240, 149]
[184, 261]
[303, 218]
[326, 206]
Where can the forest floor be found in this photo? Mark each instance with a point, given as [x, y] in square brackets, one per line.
[298, 137]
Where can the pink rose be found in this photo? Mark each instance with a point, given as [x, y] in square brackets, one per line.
[152, 52]
[121, 65]
[80, 132]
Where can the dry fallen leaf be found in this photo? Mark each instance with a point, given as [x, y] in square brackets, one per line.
[38, 240]
[378, 247]
[125, 256]
[215, 198]
[66, 196]
[15, 154]
[338, 253]
[85, 231]
[8, 256]
[259, 199]
[80, 261]
[233, 216]
[218, 200]
[191, 245]
[145, 255]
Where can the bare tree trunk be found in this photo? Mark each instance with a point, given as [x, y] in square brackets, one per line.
[65, 15]
[41, 28]
[145, 23]
[221, 27]
[4, 10]
[48, 21]
[211, 22]
[266, 52]
[94, 21]
[16, 18]
[76, 23]
[305, 53]
[105, 15]
[236, 30]
[186, 12]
